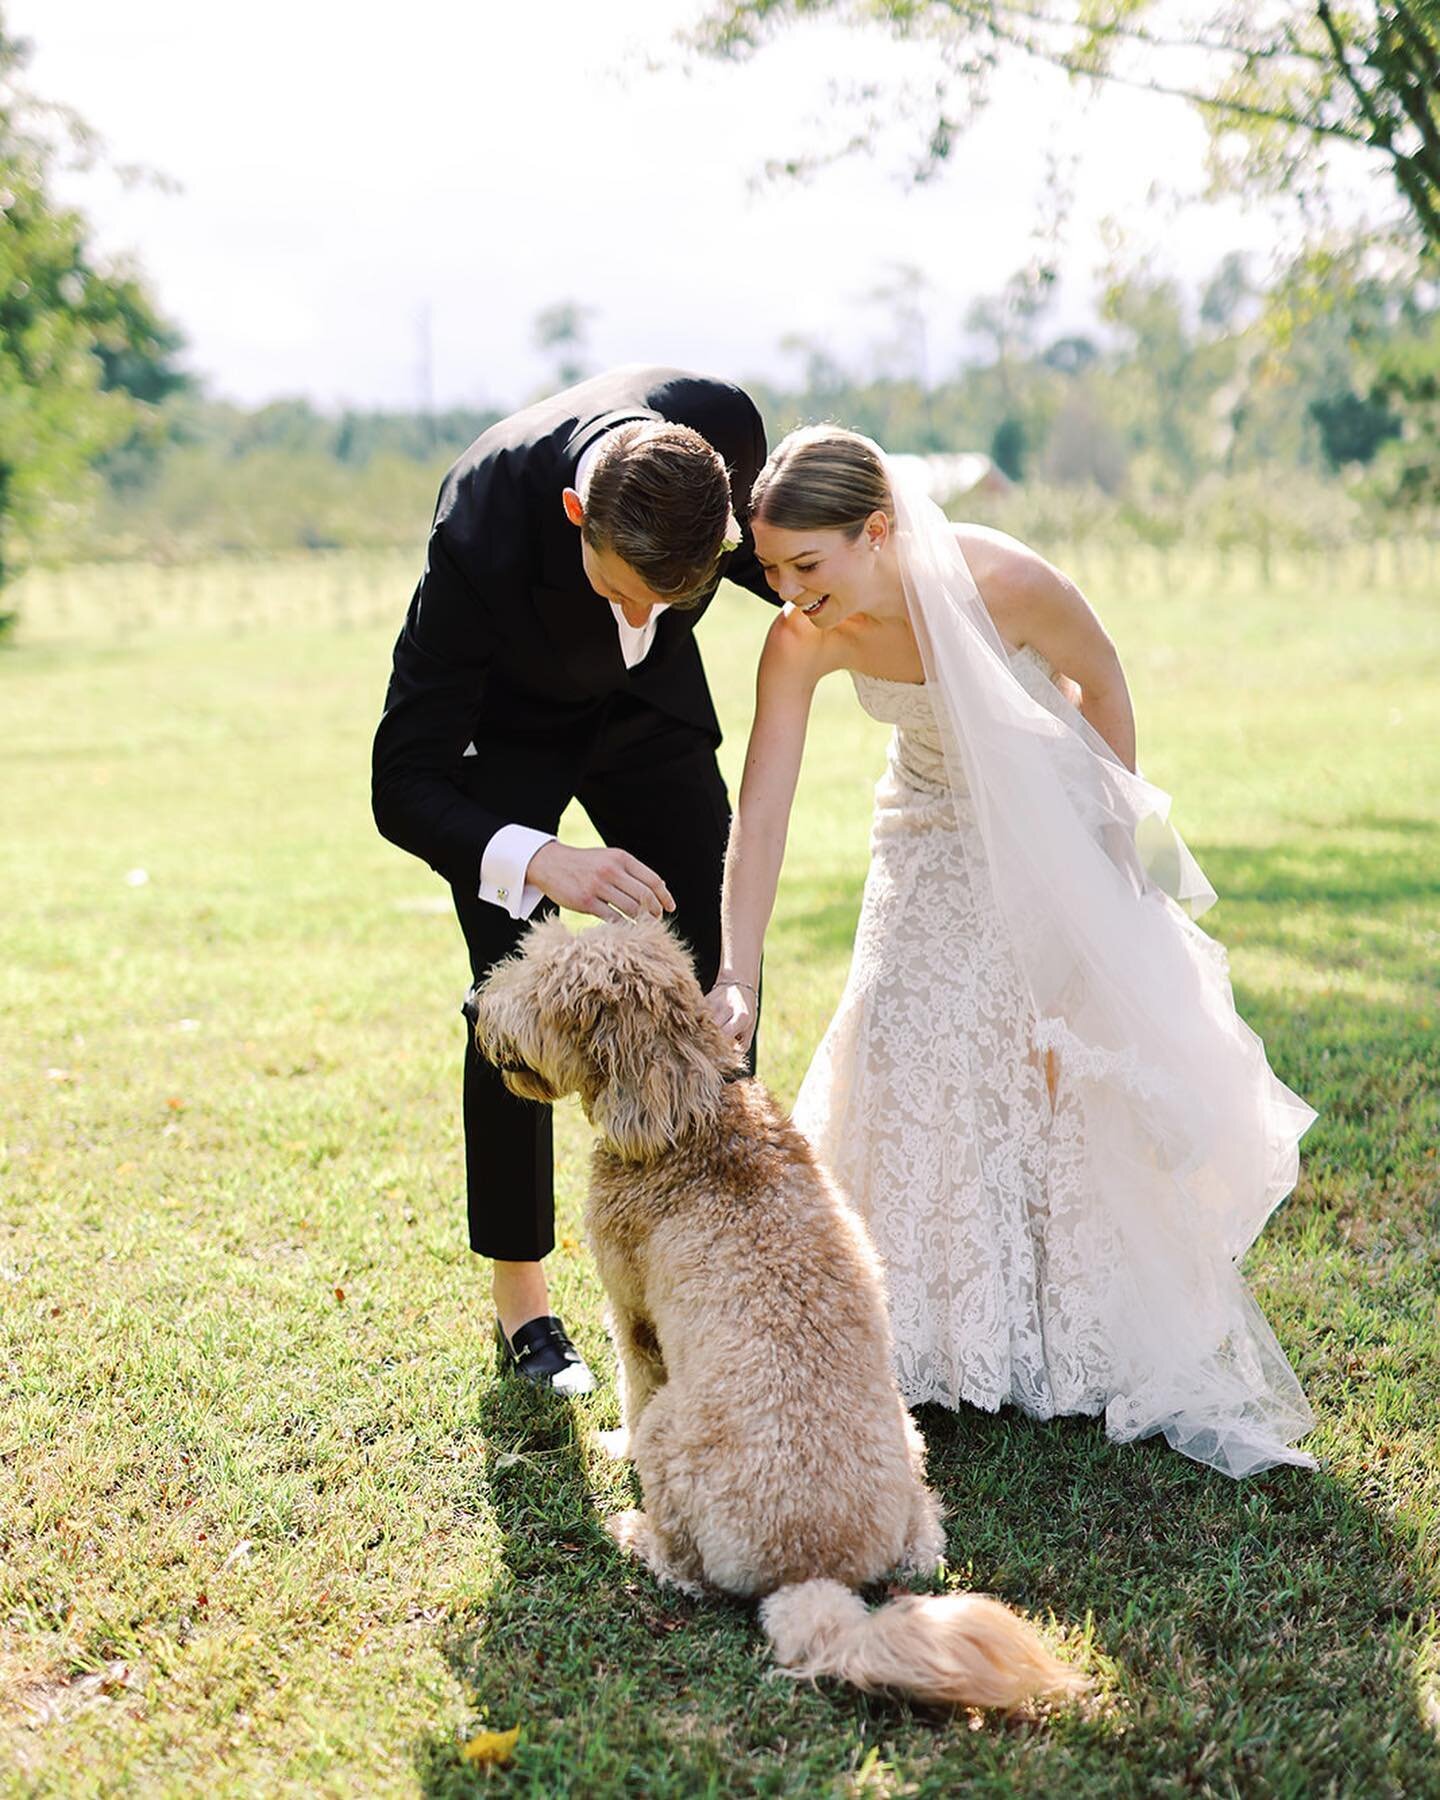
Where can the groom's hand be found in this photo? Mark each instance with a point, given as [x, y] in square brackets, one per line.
[609, 883]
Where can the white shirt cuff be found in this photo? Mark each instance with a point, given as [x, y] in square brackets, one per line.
[503, 865]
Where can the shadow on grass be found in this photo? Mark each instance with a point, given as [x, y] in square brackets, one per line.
[1358, 1038]
[578, 1646]
[1331, 869]
[1264, 1635]
[1264, 1630]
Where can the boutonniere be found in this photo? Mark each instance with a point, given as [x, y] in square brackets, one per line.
[731, 539]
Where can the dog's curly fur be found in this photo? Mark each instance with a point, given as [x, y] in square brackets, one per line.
[774, 1453]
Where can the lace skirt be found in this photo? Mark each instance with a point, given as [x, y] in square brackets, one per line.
[963, 1147]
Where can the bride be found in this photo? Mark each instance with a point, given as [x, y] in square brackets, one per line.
[1036, 1088]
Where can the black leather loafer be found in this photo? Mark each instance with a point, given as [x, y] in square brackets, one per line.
[542, 1352]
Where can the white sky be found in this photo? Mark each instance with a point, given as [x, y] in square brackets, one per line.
[347, 168]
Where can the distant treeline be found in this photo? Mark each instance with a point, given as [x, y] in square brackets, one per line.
[209, 478]
[297, 428]
[1305, 409]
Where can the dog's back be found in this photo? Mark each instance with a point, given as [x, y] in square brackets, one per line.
[779, 1433]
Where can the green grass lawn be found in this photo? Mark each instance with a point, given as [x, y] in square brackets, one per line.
[268, 1525]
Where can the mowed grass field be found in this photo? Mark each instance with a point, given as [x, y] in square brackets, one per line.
[268, 1523]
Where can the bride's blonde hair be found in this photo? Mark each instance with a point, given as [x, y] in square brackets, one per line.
[822, 478]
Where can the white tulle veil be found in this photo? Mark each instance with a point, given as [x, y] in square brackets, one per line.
[1190, 1139]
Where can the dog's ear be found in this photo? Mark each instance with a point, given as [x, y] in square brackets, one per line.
[536, 1010]
[659, 1057]
[654, 1086]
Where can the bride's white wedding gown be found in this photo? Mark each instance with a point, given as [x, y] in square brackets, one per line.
[1011, 1279]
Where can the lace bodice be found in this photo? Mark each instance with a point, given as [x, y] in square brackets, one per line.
[917, 755]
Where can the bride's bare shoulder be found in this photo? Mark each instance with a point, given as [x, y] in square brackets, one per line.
[998, 560]
[794, 650]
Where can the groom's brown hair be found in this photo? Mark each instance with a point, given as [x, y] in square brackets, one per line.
[659, 499]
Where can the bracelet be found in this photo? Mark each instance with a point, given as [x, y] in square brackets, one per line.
[731, 981]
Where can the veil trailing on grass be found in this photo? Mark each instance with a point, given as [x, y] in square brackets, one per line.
[1189, 1139]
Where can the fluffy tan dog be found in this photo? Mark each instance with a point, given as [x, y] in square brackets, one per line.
[759, 1404]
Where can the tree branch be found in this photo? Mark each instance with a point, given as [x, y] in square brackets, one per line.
[1413, 92]
[1132, 34]
[1372, 93]
[1415, 188]
[1383, 129]
[1207, 102]
[1413, 86]
[1409, 88]
[1424, 46]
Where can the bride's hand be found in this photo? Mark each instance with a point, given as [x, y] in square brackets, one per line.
[733, 1006]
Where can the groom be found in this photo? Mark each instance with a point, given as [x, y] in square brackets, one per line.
[548, 654]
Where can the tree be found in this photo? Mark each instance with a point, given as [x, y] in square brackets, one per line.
[1275, 80]
[1408, 383]
[562, 330]
[1161, 386]
[1352, 426]
[1071, 355]
[1227, 293]
[84, 354]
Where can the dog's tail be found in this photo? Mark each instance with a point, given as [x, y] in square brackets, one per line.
[950, 1650]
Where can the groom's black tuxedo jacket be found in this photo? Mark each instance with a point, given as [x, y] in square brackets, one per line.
[505, 642]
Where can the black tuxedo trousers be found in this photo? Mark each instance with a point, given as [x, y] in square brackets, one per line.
[650, 785]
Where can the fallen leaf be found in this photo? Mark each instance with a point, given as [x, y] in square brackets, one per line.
[339, 1293]
[491, 1747]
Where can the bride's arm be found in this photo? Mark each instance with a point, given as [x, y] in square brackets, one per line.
[1032, 603]
[793, 660]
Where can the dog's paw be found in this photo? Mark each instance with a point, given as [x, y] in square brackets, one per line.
[635, 1535]
[630, 1530]
[920, 1565]
[614, 1444]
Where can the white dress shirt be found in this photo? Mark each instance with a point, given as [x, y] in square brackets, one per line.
[507, 855]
